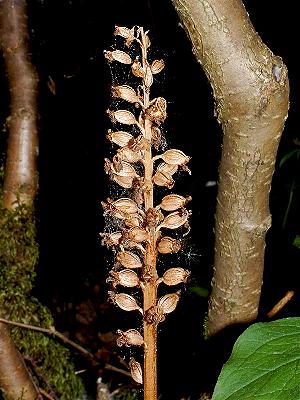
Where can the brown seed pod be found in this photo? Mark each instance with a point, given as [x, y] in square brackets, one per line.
[125, 277]
[122, 116]
[157, 66]
[155, 137]
[139, 143]
[168, 302]
[134, 220]
[175, 219]
[120, 138]
[125, 206]
[153, 218]
[126, 169]
[129, 338]
[125, 92]
[174, 157]
[148, 80]
[165, 168]
[137, 234]
[118, 55]
[172, 202]
[126, 33]
[124, 181]
[137, 70]
[129, 155]
[168, 245]
[129, 259]
[123, 31]
[156, 111]
[174, 276]
[154, 315]
[136, 370]
[124, 301]
[111, 239]
[147, 41]
[163, 179]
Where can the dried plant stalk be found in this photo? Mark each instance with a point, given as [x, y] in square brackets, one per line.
[139, 240]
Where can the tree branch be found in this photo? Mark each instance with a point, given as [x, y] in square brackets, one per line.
[15, 379]
[251, 91]
[53, 332]
[20, 174]
[20, 182]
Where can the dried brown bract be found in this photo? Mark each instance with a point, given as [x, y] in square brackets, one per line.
[138, 240]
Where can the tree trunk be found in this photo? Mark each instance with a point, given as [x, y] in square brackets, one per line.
[251, 90]
[21, 173]
[20, 181]
[15, 379]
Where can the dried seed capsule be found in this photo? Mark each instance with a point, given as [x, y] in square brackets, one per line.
[168, 245]
[172, 202]
[148, 80]
[124, 32]
[137, 234]
[124, 301]
[129, 259]
[118, 55]
[134, 220]
[147, 41]
[125, 92]
[136, 370]
[175, 219]
[156, 111]
[126, 169]
[163, 179]
[120, 138]
[157, 66]
[175, 157]
[139, 143]
[174, 276]
[168, 302]
[155, 136]
[165, 168]
[137, 69]
[129, 155]
[153, 218]
[125, 277]
[154, 315]
[123, 117]
[111, 239]
[129, 338]
[124, 181]
[125, 205]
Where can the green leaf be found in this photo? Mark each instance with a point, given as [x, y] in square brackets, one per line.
[264, 364]
[297, 241]
[288, 156]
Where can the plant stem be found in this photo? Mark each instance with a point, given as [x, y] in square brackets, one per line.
[149, 273]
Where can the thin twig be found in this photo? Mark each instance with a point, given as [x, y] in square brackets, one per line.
[281, 303]
[47, 395]
[52, 331]
[41, 376]
[115, 369]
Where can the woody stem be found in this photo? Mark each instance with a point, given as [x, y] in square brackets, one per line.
[149, 272]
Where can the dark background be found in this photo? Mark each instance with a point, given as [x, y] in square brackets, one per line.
[67, 43]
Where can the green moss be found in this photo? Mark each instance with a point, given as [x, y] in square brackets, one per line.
[128, 394]
[18, 258]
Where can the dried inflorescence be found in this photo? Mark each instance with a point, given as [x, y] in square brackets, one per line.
[140, 237]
